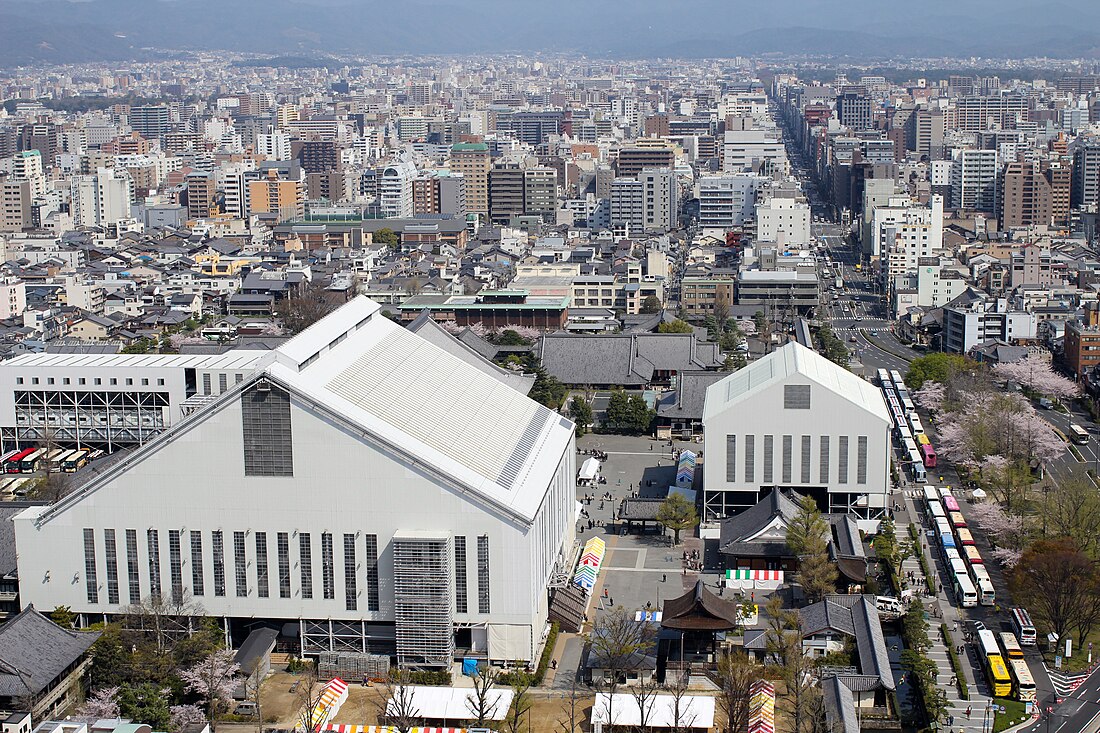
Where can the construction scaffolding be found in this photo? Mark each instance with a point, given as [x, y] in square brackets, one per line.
[354, 666]
[422, 599]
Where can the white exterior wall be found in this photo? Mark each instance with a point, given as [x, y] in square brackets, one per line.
[831, 414]
[783, 215]
[343, 483]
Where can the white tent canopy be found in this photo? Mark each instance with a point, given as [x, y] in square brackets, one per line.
[589, 470]
[696, 711]
[453, 703]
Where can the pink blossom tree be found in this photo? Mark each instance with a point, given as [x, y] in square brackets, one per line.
[213, 679]
[100, 705]
[1039, 376]
[1007, 556]
[185, 715]
[932, 396]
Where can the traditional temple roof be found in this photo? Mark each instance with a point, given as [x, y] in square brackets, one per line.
[699, 610]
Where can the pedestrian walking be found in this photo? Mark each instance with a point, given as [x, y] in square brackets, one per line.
[968, 712]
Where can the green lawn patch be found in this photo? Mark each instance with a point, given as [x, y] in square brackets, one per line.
[1013, 715]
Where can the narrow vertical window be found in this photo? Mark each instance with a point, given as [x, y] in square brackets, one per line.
[788, 458]
[240, 565]
[372, 572]
[217, 548]
[261, 565]
[351, 592]
[327, 580]
[175, 565]
[154, 563]
[861, 459]
[842, 459]
[750, 458]
[198, 579]
[805, 459]
[282, 545]
[769, 459]
[110, 552]
[461, 601]
[305, 564]
[731, 458]
[823, 463]
[91, 581]
[483, 574]
[132, 574]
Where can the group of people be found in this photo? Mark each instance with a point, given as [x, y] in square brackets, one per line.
[692, 560]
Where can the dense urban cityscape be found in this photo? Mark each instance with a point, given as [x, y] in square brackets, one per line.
[545, 391]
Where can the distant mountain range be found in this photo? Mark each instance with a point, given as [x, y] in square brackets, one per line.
[58, 31]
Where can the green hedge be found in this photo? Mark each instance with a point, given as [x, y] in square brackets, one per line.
[956, 666]
[434, 677]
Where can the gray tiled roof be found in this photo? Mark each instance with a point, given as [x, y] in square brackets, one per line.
[35, 650]
[857, 616]
[735, 530]
[840, 706]
[628, 359]
[686, 401]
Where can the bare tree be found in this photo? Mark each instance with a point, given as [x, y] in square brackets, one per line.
[163, 618]
[307, 696]
[644, 693]
[299, 312]
[521, 702]
[683, 712]
[784, 643]
[571, 710]
[396, 705]
[482, 704]
[737, 672]
[615, 645]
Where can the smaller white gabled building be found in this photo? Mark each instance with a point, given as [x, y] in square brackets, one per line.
[796, 420]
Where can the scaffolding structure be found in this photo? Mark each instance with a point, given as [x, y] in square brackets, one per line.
[350, 666]
[422, 600]
[74, 419]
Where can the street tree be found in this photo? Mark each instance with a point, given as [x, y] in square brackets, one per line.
[678, 514]
[1057, 582]
[581, 413]
[938, 367]
[395, 702]
[1071, 509]
[481, 704]
[1038, 375]
[520, 710]
[783, 641]
[309, 305]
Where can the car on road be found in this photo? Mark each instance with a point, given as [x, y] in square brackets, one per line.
[853, 338]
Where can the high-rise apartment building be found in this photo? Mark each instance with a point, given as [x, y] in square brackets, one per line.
[395, 190]
[754, 150]
[633, 160]
[442, 192]
[661, 206]
[201, 190]
[974, 180]
[1085, 191]
[1004, 111]
[472, 160]
[42, 137]
[728, 201]
[274, 146]
[16, 195]
[516, 189]
[277, 196]
[1025, 196]
[101, 199]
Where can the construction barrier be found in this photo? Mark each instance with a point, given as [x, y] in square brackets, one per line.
[588, 567]
[761, 707]
[332, 697]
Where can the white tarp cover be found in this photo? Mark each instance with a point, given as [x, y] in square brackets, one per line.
[696, 711]
[454, 703]
[589, 470]
[509, 642]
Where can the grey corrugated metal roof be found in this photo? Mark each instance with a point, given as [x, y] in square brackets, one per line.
[35, 650]
[426, 327]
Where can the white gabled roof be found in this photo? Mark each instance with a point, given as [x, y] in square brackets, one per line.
[788, 360]
[441, 410]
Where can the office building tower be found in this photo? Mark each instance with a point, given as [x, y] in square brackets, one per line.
[42, 137]
[1004, 111]
[16, 196]
[1025, 196]
[150, 122]
[101, 199]
[854, 109]
[472, 161]
[274, 146]
[632, 160]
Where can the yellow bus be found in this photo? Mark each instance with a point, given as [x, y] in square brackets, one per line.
[994, 664]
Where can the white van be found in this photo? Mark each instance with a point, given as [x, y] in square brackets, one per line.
[888, 604]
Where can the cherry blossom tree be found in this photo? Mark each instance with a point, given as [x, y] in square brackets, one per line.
[213, 679]
[1006, 529]
[185, 715]
[1007, 556]
[101, 704]
[1038, 375]
[932, 397]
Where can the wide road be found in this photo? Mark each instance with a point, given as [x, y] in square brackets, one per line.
[1078, 713]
